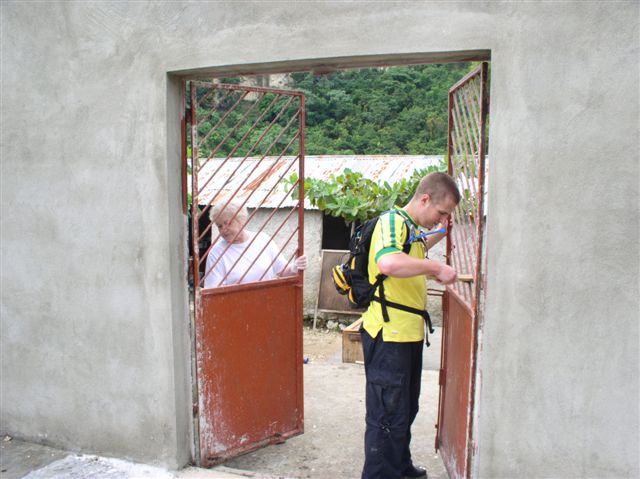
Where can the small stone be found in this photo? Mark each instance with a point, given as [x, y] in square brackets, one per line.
[7, 438]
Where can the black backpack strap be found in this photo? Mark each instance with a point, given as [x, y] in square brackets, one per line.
[384, 303]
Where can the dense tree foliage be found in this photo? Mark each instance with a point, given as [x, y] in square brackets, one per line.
[399, 110]
[396, 110]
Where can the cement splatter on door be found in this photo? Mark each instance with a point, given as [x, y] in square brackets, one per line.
[245, 142]
[468, 113]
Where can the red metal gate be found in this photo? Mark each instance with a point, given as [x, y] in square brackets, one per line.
[245, 143]
[468, 109]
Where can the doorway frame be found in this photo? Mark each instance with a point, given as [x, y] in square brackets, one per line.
[322, 65]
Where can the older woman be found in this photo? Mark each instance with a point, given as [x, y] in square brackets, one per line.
[242, 256]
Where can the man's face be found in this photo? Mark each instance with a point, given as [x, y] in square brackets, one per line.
[229, 229]
[431, 213]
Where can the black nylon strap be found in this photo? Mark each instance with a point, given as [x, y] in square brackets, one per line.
[384, 303]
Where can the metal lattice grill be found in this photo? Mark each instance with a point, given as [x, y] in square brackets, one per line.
[466, 150]
[245, 143]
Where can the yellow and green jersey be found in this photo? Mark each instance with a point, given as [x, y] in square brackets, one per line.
[389, 237]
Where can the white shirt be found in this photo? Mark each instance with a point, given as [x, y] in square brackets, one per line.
[238, 259]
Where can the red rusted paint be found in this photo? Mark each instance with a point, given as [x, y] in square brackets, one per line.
[248, 336]
[183, 139]
[468, 109]
[249, 368]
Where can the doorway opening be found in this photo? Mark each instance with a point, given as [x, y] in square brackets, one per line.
[331, 229]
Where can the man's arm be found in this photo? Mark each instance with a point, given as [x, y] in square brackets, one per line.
[401, 265]
[434, 238]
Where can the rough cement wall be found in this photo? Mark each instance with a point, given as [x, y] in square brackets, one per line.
[560, 361]
[94, 321]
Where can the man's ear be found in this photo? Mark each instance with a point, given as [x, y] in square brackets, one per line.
[425, 199]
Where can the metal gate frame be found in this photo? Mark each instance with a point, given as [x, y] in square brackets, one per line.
[215, 441]
[468, 111]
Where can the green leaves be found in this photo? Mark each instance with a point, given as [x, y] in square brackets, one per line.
[353, 197]
[398, 110]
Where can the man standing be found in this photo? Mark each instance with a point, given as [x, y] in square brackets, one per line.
[392, 341]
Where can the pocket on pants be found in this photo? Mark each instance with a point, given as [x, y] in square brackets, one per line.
[388, 386]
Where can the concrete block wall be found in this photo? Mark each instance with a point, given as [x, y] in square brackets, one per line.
[94, 333]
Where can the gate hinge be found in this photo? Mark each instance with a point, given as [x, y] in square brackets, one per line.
[441, 378]
[195, 409]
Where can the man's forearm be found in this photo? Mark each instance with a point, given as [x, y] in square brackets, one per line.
[433, 239]
[400, 265]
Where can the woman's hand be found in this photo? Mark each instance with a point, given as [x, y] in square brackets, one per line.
[300, 263]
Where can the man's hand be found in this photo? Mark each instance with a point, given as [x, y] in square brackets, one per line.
[446, 275]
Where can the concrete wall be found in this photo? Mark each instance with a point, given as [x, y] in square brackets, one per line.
[94, 324]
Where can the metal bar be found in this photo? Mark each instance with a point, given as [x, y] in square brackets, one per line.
[194, 192]
[443, 366]
[280, 254]
[301, 155]
[264, 133]
[460, 242]
[193, 260]
[464, 79]
[212, 110]
[261, 251]
[259, 161]
[235, 148]
[227, 86]
[462, 174]
[470, 187]
[248, 286]
[222, 119]
[484, 110]
[461, 147]
[183, 145]
[284, 130]
[212, 88]
[463, 111]
[261, 228]
[449, 171]
[255, 189]
[476, 154]
[460, 257]
[470, 100]
[459, 126]
[475, 100]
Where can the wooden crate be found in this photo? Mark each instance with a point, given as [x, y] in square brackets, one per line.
[352, 344]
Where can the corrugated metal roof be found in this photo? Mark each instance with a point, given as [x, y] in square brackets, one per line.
[260, 178]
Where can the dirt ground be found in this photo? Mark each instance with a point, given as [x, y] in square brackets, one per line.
[321, 344]
[332, 444]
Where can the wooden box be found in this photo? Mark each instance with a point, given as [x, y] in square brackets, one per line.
[352, 344]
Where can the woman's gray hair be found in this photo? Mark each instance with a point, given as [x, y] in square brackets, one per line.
[222, 211]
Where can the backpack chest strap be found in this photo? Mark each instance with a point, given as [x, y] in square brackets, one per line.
[384, 304]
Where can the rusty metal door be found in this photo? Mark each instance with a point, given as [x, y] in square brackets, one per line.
[468, 113]
[245, 144]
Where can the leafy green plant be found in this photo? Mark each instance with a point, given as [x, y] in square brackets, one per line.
[355, 198]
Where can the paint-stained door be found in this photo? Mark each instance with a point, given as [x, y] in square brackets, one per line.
[245, 145]
[468, 113]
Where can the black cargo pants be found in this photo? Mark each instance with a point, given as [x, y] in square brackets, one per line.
[393, 372]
